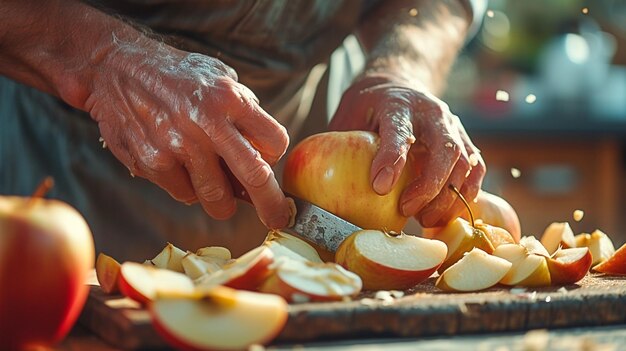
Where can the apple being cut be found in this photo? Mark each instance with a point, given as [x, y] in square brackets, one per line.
[305, 281]
[220, 319]
[46, 254]
[477, 270]
[495, 211]
[386, 261]
[332, 170]
[285, 244]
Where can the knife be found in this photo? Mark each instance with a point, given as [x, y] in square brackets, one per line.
[311, 223]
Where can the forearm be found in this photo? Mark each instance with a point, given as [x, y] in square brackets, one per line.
[57, 45]
[417, 47]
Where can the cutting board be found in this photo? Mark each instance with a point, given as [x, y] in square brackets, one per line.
[422, 311]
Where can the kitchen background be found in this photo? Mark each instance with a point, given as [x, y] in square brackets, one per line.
[541, 90]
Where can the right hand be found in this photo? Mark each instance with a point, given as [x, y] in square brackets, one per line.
[170, 115]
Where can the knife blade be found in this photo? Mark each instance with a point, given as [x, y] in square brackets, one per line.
[311, 223]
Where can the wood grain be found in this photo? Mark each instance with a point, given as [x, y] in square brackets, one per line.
[423, 311]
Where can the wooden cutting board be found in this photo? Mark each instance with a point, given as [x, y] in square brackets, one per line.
[422, 311]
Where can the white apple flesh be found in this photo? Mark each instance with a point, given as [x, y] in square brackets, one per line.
[558, 234]
[222, 319]
[390, 261]
[477, 270]
[284, 244]
[600, 245]
[529, 270]
[144, 283]
[170, 258]
[302, 281]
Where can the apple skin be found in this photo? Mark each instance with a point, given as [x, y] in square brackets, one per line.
[568, 272]
[332, 170]
[615, 264]
[378, 276]
[46, 254]
[495, 211]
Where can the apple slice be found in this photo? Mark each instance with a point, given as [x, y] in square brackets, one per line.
[107, 272]
[220, 319]
[534, 246]
[214, 252]
[558, 234]
[460, 237]
[284, 244]
[599, 244]
[246, 272]
[144, 283]
[386, 261]
[477, 270]
[170, 258]
[616, 264]
[567, 266]
[196, 266]
[528, 270]
[305, 281]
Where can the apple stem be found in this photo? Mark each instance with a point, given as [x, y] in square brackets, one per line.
[467, 206]
[44, 187]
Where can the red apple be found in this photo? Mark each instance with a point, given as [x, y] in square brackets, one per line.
[387, 261]
[107, 272]
[46, 253]
[219, 319]
[497, 212]
[332, 170]
[247, 272]
[304, 281]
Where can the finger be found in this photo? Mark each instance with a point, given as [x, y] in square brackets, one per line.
[430, 215]
[443, 153]
[254, 173]
[266, 135]
[210, 184]
[167, 174]
[396, 137]
[469, 190]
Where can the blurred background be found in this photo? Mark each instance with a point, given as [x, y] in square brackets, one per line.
[541, 90]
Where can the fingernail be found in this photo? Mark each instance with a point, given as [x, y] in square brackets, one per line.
[383, 181]
[429, 219]
[411, 207]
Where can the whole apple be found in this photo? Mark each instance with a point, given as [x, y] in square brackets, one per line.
[332, 170]
[46, 253]
[497, 212]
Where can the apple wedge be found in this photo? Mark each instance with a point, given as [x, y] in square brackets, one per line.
[214, 252]
[144, 283]
[305, 281]
[107, 272]
[196, 266]
[246, 272]
[284, 244]
[219, 319]
[529, 270]
[460, 237]
[534, 246]
[170, 258]
[599, 244]
[615, 264]
[558, 234]
[386, 261]
[567, 266]
[477, 270]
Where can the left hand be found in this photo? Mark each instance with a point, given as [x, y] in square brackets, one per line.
[412, 121]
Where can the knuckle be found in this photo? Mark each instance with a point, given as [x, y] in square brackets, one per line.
[210, 192]
[259, 175]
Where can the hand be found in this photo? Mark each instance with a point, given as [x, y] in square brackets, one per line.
[169, 116]
[411, 121]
